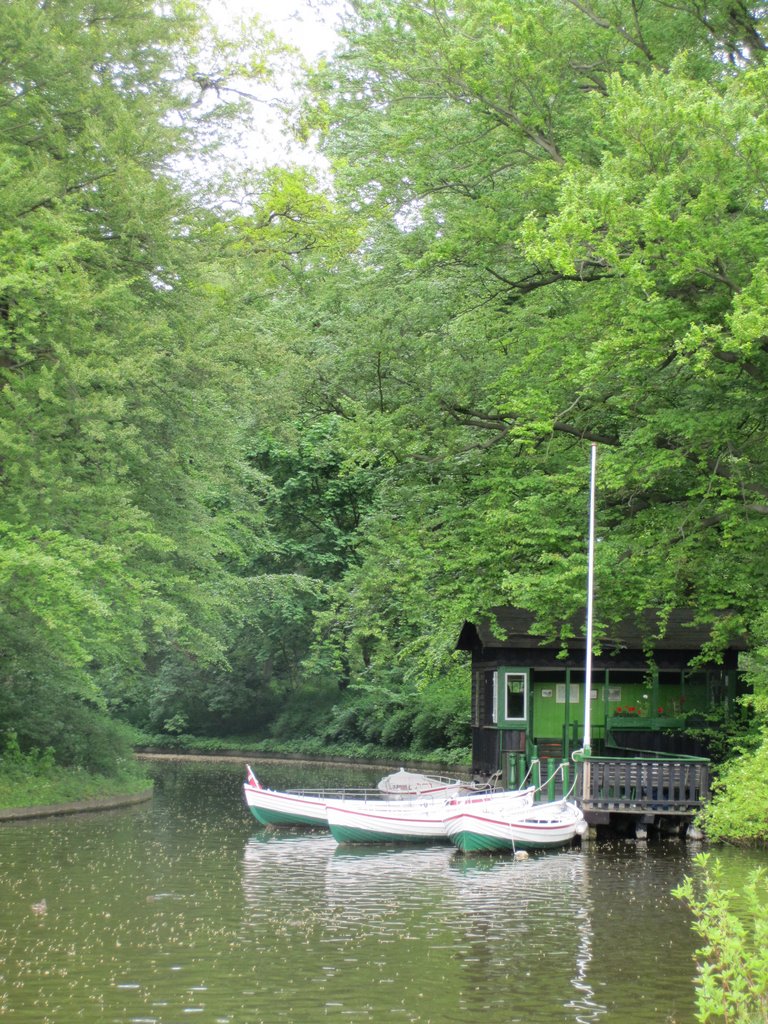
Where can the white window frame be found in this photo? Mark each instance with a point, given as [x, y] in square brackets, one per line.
[521, 674]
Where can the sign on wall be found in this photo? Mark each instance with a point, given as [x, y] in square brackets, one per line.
[560, 693]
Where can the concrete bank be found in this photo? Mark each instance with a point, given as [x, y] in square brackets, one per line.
[96, 803]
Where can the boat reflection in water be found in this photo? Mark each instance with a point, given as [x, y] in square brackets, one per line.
[372, 930]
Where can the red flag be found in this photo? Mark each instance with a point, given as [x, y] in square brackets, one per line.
[250, 778]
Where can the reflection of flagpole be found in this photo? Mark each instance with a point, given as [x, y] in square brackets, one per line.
[588, 663]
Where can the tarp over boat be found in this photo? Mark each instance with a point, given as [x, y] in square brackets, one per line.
[403, 783]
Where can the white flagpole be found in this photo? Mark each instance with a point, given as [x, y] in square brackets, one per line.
[590, 595]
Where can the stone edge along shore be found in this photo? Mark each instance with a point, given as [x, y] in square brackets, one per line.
[97, 803]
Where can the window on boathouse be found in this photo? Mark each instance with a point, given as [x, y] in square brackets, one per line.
[514, 696]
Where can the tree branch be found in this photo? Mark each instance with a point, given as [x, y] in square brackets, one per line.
[69, 190]
[748, 367]
[533, 282]
[636, 41]
[503, 424]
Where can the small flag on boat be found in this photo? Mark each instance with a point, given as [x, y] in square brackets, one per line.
[251, 779]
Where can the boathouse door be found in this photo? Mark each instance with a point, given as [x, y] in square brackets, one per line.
[511, 705]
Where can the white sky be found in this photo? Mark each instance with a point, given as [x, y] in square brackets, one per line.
[305, 24]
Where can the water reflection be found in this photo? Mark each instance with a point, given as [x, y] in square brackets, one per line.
[583, 1005]
[185, 909]
[476, 936]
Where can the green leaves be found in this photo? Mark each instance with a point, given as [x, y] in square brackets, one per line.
[566, 237]
[732, 981]
[367, 409]
[126, 505]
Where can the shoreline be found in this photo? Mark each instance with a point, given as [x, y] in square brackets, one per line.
[109, 803]
[94, 803]
[392, 764]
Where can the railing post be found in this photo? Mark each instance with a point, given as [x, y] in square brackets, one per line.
[565, 771]
[509, 770]
[551, 778]
[536, 777]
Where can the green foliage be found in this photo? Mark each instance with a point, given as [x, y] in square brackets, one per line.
[265, 446]
[302, 712]
[442, 717]
[315, 747]
[33, 778]
[583, 262]
[15, 764]
[418, 720]
[724, 731]
[79, 735]
[732, 965]
[738, 812]
[128, 510]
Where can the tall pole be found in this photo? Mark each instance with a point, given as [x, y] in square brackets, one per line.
[590, 597]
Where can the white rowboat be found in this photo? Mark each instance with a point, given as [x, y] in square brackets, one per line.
[403, 784]
[308, 807]
[539, 827]
[414, 821]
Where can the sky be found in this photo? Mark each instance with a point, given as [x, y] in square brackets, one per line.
[306, 24]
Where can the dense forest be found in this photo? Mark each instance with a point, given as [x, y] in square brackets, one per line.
[271, 434]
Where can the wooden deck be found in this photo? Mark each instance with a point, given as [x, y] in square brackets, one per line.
[647, 787]
[642, 786]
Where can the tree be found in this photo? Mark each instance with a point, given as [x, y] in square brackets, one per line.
[126, 500]
[565, 234]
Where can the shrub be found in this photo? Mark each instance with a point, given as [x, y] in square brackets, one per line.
[442, 718]
[14, 763]
[732, 965]
[79, 734]
[738, 811]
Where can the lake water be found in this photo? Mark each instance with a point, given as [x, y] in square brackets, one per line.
[186, 910]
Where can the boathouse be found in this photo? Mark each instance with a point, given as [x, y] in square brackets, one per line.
[528, 707]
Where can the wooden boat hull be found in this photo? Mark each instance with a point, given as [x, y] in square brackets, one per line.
[358, 821]
[541, 827]
[271, 807]
[350, 824]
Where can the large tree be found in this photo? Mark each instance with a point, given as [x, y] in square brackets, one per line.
[566, 237]
[127, 507]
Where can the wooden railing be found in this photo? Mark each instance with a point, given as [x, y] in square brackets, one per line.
[644, 785]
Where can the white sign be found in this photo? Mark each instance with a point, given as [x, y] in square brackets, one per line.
[560, 693]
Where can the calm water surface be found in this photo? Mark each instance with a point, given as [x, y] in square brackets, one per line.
[186, 910]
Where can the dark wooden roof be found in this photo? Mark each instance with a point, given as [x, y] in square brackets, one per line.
[511, 628]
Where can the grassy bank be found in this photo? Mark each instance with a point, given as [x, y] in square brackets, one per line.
[32, 780]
